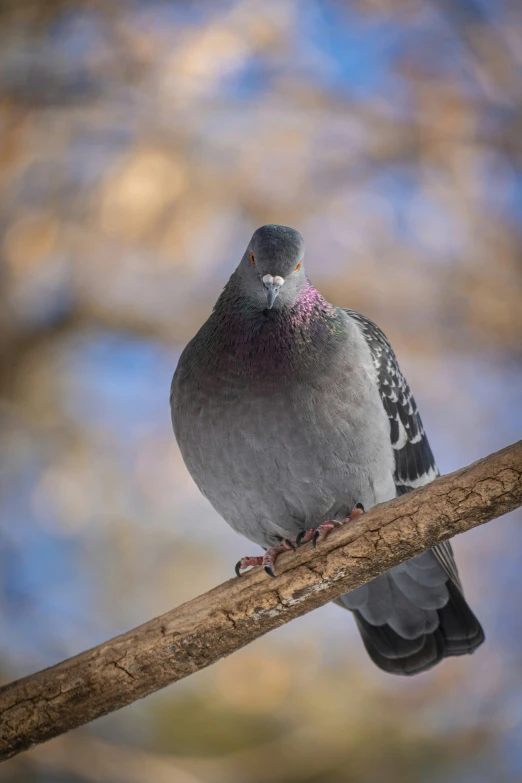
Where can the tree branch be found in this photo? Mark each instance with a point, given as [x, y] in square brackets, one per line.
[215, 624]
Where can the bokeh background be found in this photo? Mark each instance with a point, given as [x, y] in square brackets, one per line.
[140, 145]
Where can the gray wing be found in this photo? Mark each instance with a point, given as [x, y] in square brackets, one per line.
[415, 614]
[414, 461]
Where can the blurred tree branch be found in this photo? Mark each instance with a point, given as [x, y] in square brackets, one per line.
[20, 343]
[200, 632]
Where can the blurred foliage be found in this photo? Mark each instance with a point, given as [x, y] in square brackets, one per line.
[140, 145]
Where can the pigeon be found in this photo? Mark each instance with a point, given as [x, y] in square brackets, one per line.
[293, 417]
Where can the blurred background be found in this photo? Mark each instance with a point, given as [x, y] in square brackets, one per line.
[141, 143]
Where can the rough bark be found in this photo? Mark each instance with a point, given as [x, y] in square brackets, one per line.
[198, 633]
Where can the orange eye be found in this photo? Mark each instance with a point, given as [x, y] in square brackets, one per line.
[252, 259]
[298, 266]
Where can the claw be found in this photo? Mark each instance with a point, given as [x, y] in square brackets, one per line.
[304, 537]
[247, 562]
[315, 538]
[267, 560]
[360, 507]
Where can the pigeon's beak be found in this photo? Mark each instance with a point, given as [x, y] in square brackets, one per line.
[272, 285]
[271, 293]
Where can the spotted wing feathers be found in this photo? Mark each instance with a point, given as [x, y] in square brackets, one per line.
[414, 461]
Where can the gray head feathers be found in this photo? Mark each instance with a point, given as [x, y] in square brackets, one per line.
[271, 272]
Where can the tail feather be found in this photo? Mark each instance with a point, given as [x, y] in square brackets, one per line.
[460, 628]
[416, 625]
[409, 656]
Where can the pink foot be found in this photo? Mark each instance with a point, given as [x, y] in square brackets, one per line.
[317, 534]
[267, 560]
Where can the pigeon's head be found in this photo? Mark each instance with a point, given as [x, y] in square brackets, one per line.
[271, 271]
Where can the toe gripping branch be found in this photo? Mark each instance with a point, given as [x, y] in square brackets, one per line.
[268, 559]
[319, 533]
[312, 534]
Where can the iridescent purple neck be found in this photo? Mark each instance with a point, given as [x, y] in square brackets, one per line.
[271, 345]
[307, 306]
[310, 304]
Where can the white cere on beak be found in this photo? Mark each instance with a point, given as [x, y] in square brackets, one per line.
[276, 281]
[272, 285]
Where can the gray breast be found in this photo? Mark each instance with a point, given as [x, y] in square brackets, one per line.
[274, 458]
